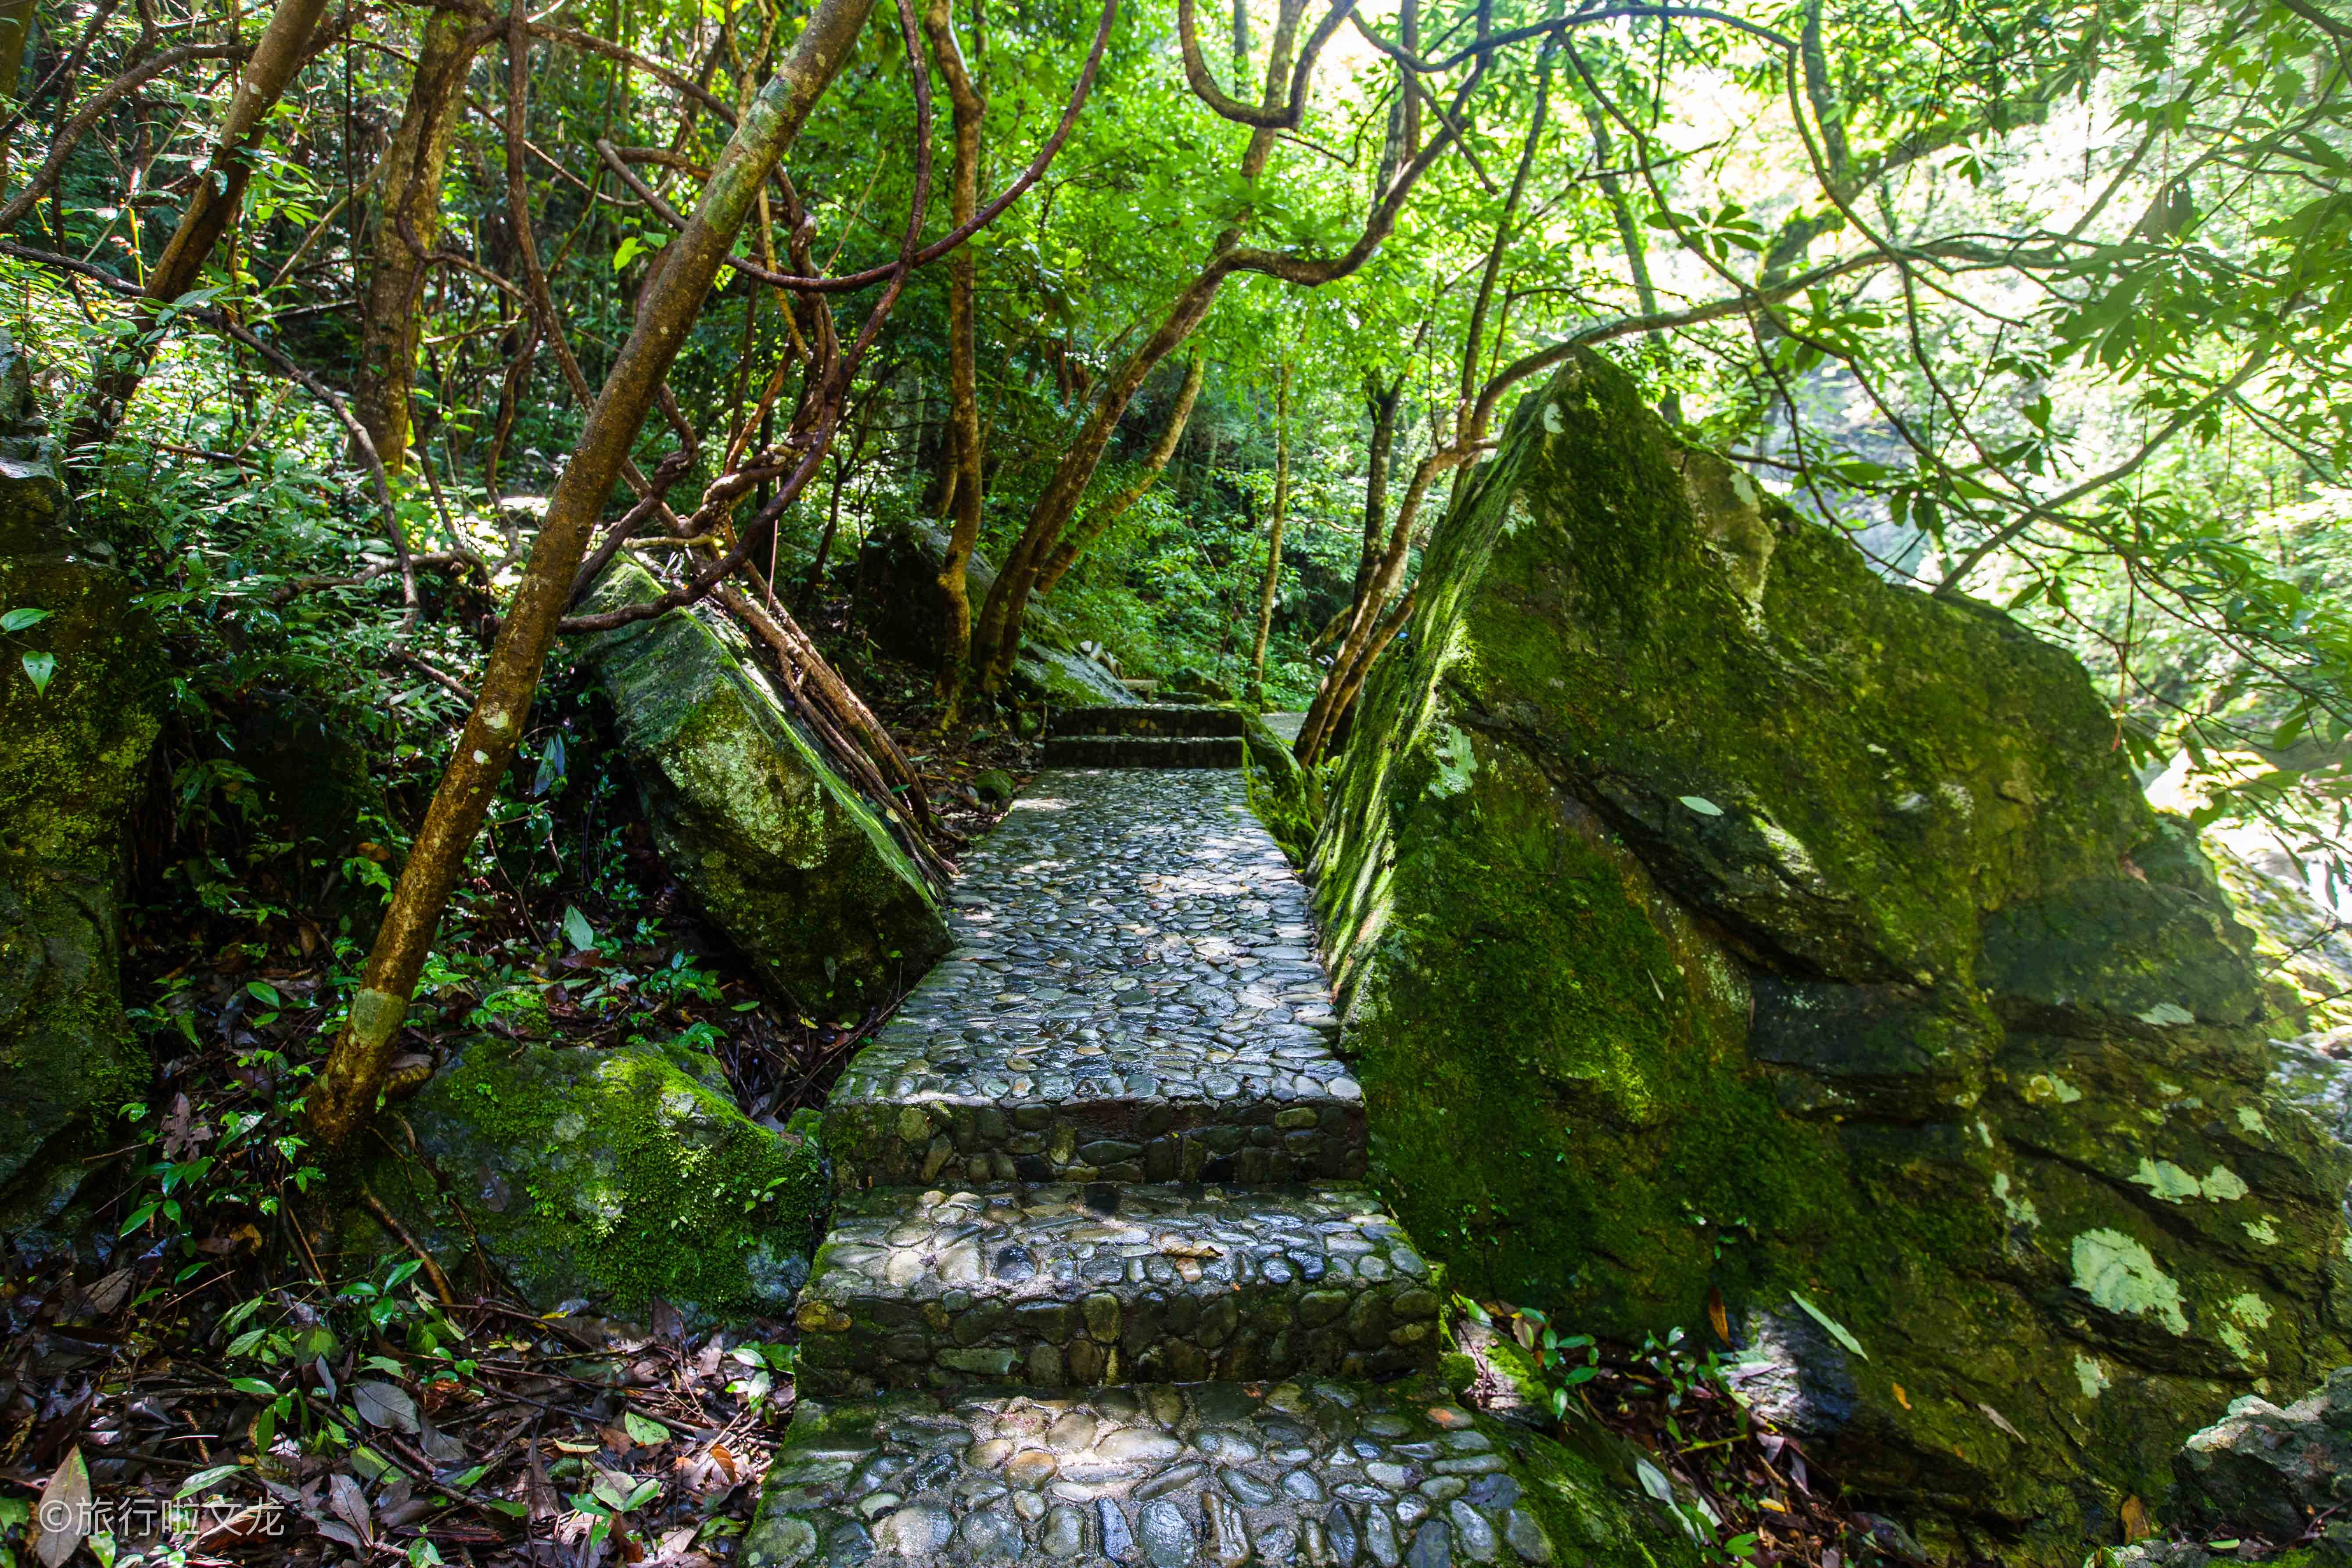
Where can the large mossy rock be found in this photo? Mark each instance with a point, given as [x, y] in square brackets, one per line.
[73, 759]
[611, 1177]
[1288, 797]
[779, 852]
[1711, 916]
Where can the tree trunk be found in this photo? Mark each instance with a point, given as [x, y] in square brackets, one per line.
[1273, 536]
[1629, 235]
[16, 34]
[996, 639]
[408, 227]
[1363, 642]
[1383, 638]
[1474, 339]
[965, 452]
[1098, 521]
[1380, 404]
[347, 1089]
[212, 203]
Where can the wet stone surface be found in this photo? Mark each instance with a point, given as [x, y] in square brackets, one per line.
[1059, 1286]
[1135, 997]
[1309, 1472]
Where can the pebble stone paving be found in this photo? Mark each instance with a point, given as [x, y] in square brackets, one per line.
[1317, 1473]
[1062, 1285]
[1103, 1288]
[1134, 998]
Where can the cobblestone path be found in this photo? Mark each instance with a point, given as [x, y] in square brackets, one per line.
[1104, 1283]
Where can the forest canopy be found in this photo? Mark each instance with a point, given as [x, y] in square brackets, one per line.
[2044, 305]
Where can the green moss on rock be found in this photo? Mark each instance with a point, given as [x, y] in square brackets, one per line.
[73, 759]
[612, 1177]
[778, 851]
[1709, 914]
[1287, 798]
[1063, 678]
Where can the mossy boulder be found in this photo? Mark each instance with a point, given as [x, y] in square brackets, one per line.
[73, 760]
[1286, 797]
[1063, 678]
[611, 1177]
[1712, 917]
[779, 852]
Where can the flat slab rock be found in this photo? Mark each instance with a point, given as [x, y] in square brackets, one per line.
[1312, 1472]
[1060, 1285]
[1134, 998]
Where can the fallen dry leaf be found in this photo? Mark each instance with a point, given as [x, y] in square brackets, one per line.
[64, 1512]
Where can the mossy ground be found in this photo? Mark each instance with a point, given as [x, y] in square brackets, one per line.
[1286, 797]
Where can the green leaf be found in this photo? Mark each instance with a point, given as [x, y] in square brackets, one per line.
[1837, 1331]
[38, 669]
[264, 993]
[647, 1431]
[577, 931]
[550, 766]
[205, 1480]
[18, 620]
[1703, 806]
[254, 1387]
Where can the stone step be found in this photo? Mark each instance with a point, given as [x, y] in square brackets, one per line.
[1319, 1473]
[1066, 1286]
[1155, 718]
[1152, 1109]
[1143, 751]
[1136, 965]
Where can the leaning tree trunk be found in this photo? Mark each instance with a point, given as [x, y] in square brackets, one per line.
[1098, 521]
[996, 639]
[1273, 534]
[1380, 404]
[347, 1088]
[214, 199]
[1375, 622]
[967, 477]
[15, 34]
[408, 227]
